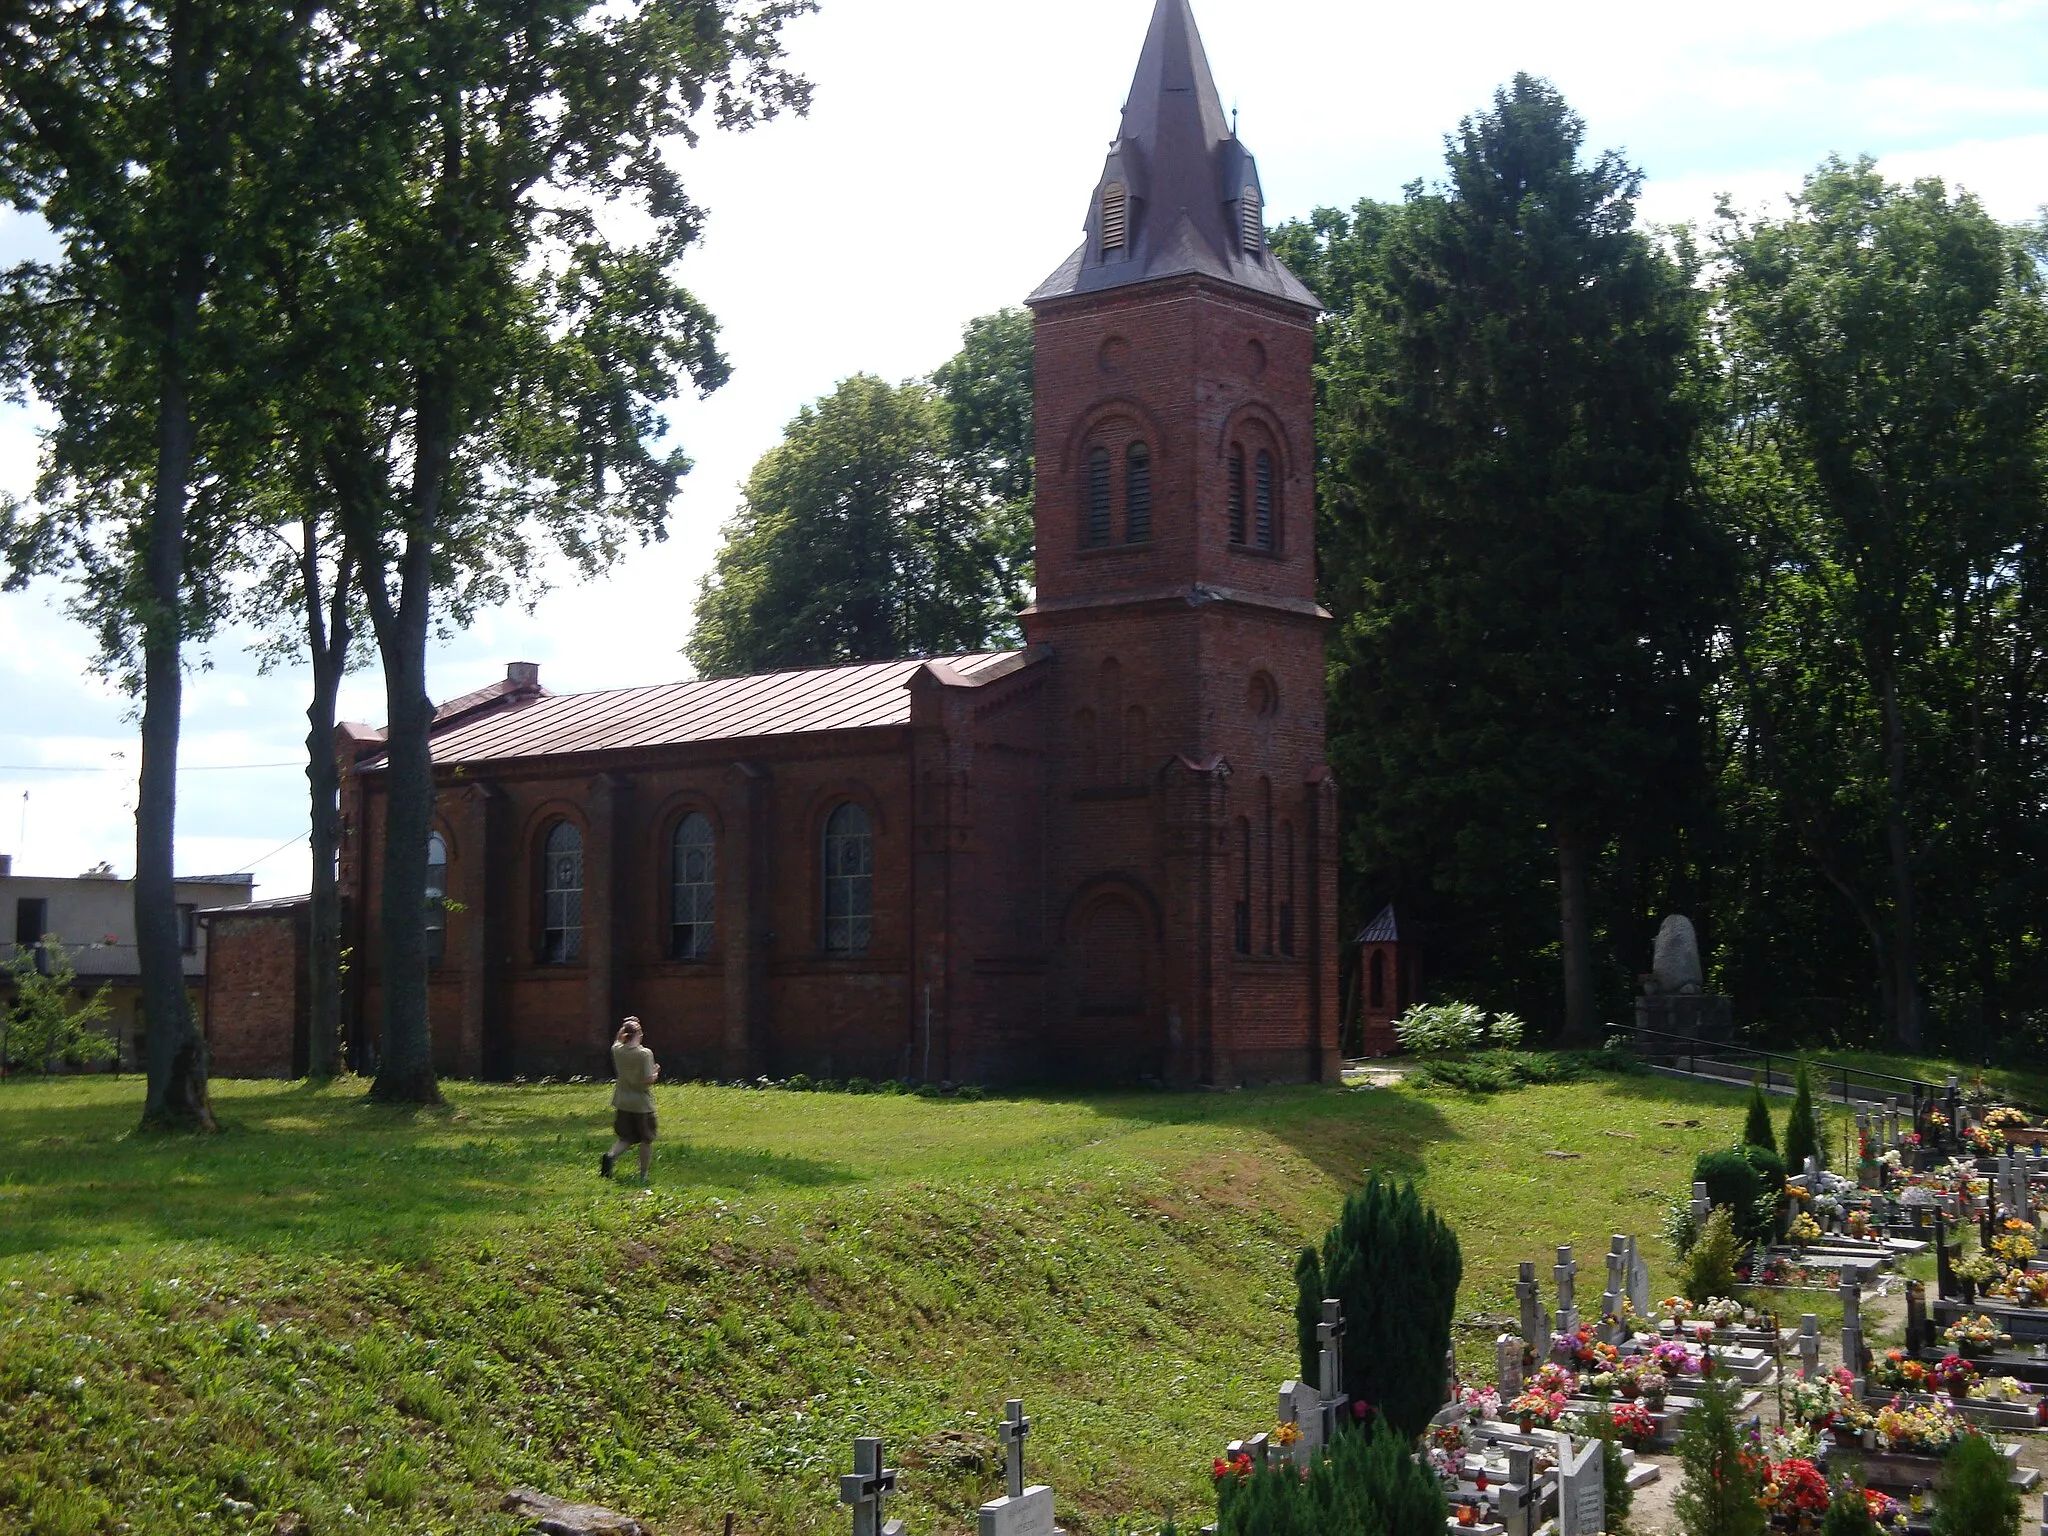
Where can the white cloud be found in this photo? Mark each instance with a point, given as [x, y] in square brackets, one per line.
[945, 170]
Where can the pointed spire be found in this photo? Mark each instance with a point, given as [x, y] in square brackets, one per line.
[1179, 194]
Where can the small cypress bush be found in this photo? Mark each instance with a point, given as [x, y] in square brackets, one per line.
[1802, 1130]
[1367, 1484]
[1394, 1266]
[1710, 1266]
[1848, 1513]
[1977, 1497]
[1756, 1131]
[1719, 1494]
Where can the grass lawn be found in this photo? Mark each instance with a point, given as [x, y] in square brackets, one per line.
[380, 1320]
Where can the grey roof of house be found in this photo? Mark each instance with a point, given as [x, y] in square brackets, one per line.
[1184, 172]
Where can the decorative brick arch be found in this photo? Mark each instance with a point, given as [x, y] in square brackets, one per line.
[1097, 416]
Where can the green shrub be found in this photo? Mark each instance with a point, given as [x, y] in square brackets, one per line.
[1366, 1482]
[1394, 1266]
[1431, 1028]
[1719, 1494]
[1733, 1182]
[1802, 1130]
[1619, 1497]
[970, 1092]
[1710, 1267]
[1500, 1070]
[44, 1026]
[799, 1083]
[1977, 1497]
[1848, 1512]
[1471, 1076]
[1505, 1031]
[1756, 1130]
[859, 1085]
[1771, 1169]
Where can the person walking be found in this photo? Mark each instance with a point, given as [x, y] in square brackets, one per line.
[632, 1099]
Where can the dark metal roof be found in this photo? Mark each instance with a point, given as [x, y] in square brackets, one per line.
[1185, 175]
[849, 698]
[1384, 929]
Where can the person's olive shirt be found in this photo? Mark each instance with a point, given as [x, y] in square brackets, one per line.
[634, 1067]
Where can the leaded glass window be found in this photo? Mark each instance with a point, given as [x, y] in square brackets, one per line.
[849, 881]
[694, 893]
[561, 924]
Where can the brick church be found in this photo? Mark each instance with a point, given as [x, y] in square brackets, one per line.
[1107, 857]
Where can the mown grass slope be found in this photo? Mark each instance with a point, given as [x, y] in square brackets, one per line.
[378, 1321]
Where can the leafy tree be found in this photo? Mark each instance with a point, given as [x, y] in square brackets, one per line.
[1756, 1130]
[857, 540]
[1719, 1494]
[1882, 354]
[1977, 1495]
[493, 356]
[1526, 626]
[1394, 1266]
[43, 1026]
[1802, 1126]
[987, 389]
[130, 130]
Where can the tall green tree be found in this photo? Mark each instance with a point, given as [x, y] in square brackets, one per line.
[493, 358]
[987, 388]
[1887, 386]
[1526, 625]
[859, 539]
[130, 130]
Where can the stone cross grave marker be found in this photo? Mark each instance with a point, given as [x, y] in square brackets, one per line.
[1302, 1406]
[1809, 1346]
[1702, 1207]
[1617, 1280]
[1891, 1122]
[1025, 1511]
[1518, 1495]
[1638, 1279]
[1581, 1489]
[1529, 1297]
[1811, 1170]
[1507, 1358]
[866, 1487]
[1566, 1273]
[1330, 1361]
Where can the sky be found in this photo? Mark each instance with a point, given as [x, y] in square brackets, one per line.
[944, 169]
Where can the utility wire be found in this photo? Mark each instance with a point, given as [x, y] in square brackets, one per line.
[111, 767]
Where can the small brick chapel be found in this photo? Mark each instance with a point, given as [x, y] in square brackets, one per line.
[1107, 857]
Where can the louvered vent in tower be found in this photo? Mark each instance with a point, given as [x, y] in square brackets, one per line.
[1254, 220]
[1115, 216]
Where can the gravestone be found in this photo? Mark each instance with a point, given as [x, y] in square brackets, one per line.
[1330, 1360]
[1529, 1298]
[1518, 1494]
[1302, 1406]
[1918, 1336]
[1617, 1284]
[1566, 1274]
[1675, 967]
[1809, 1346]
[1891, 1122]
[866, 1487]
[1025, 1511]
[1638, 1279]
[1507, 1358]
[1581, 1489]
[1702, 1207]
[1852, 1322]
[1675, 1000]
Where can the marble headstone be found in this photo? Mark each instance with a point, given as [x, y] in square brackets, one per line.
[1581, 1489]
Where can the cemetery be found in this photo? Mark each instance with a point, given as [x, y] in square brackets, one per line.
[943, 1316]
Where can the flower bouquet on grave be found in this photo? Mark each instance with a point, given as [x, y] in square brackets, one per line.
[1676, 1360]
[1894, 1371]
[1641, 1379]
[1983, 1270]
[1448, 1438]
[1953, 1375]
[1537, 1409]
[1859, 1225]
[1790, 1440]
[2005, 1119]
[1804, 1229]
[1921, 1429]
[1286, 1433]
[1237, 1469]
[2027, 1288]
[1977, 1335]
[1885, 1511]
[1479, 1403]
[1555, 1378]
[2015, 1243]
[1818, 1404]
[1795, 1494]
[1634, 1425]
[1984, 1141]
[2002, 1389]
[1675, 1308]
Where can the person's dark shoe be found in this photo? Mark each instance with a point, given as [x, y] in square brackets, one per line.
[604, 1165]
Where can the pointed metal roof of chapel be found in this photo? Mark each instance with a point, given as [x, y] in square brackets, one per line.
[1179, 194]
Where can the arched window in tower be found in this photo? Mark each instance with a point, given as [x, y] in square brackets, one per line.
[1137, 494]
[1237, 529]
[561, 916]
[1095, 532]
[1262, 501]
[849, 881]
[693, 888]
[1115, 217]
[1241, 938]
[437, 898]
[1254, 215]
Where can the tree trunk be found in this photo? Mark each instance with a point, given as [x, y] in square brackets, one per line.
[176, 1058]
[1576, 927]
[1905, 953]
[328, 639]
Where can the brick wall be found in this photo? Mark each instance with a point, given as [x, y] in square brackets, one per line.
[255, 993]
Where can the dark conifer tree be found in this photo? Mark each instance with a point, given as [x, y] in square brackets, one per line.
[1756, 1131]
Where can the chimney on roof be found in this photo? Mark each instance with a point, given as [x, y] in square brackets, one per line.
[523, 674]
[6, 863]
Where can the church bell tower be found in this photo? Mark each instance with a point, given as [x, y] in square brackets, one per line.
[1192, 836]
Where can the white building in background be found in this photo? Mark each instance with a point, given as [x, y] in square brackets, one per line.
[93, 917]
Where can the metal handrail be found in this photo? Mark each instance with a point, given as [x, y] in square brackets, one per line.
[1835, 1079]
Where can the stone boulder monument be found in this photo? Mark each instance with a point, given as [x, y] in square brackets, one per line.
[1675, 1005]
